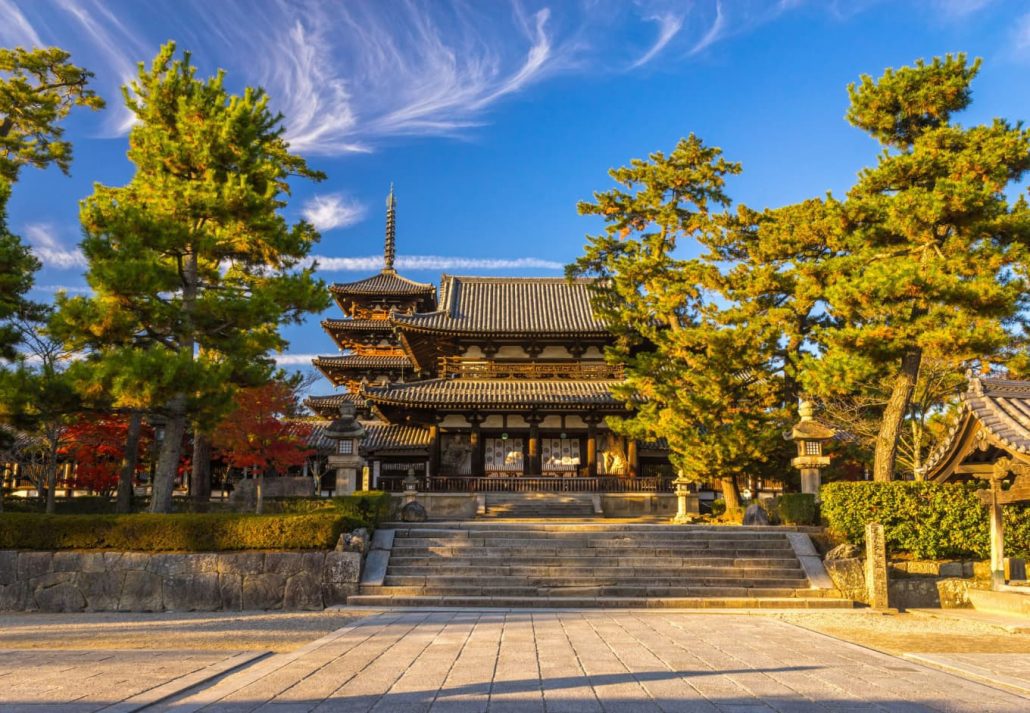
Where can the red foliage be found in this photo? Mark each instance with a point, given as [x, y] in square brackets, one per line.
[96, 445]
[257, 435]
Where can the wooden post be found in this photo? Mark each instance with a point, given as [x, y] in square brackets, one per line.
[592, 448]
[877, 584]
[631, 456]
[434, 450]
[534, 443]
[477, 445]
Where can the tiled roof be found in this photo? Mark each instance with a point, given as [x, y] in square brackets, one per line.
[386, 282]
[381, 436]
[361, 325]
[512, 305]
[325, 405]
[357, 361]
[508, 393]
[1001, 407]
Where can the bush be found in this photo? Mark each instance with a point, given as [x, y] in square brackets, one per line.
[927, 520]
[175, 532]
[797, 509]
[367, 508]
[718, 507]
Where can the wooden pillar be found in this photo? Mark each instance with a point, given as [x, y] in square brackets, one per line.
[534, 444]
[631, 456]
[434, 450]
[476, 440]
[592, 448]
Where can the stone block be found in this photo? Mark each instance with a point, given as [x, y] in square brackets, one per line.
[263, 591]
[127, 560]
[168, 565]
[62, 597]
[950, 569]
[848, 577]
[202, 563]
[303, 591]
[337, 592]
[101, 590]
[92, 562]
[8, 567]
[953, 593]
[845, 551]
[33, 564]
[230, 589]
[192, 592]
[141, 591]
[15, 597]
[242, 563]
[66, 562]
[342, 567]
[284, 563]
[926, 568]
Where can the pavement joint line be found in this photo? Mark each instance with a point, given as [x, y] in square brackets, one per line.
[205, 696]
[163, 692]
[972, 672]
[716, 611]
[912, 658]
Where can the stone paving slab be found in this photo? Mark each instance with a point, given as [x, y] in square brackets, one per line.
[568, 662]
[83, 681]
[1008, 671]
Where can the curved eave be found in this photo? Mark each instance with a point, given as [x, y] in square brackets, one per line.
[404, 325]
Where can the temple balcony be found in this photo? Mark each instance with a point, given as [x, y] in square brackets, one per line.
[456, 367]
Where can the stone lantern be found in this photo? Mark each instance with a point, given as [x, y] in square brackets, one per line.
[410, 487]
[345, 458]
[810, 435]
[686, 502]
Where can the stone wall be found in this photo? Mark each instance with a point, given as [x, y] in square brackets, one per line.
[245, 491]
[912, 584]
[203, 581]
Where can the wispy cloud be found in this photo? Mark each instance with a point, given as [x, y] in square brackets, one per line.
[348, 76]
[70, 289]
[432, 262]
[1021, 36]
[668, 25]
[333, 210]
[50, 251]
[293, 359]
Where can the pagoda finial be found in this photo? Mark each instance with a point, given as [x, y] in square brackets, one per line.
[390, 250]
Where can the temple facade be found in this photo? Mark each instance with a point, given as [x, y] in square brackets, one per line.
[489, 383]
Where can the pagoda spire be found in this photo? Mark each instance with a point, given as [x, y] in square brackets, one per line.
[390, 250]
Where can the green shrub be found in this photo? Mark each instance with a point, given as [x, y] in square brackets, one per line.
[366, 508]
[175, 532]
[718, 507]
[928, 520]
[797, 509]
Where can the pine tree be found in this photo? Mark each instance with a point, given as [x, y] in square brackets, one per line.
[931, 258]
[192, 266]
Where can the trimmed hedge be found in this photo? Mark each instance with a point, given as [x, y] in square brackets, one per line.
[368, 507]
[797, 509]
[927, 520]
[176, 532]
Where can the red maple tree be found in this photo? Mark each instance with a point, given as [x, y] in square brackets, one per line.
[257, 434]
[95, 443]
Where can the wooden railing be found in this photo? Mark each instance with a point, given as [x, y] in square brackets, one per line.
[488, 369]
[524, 484]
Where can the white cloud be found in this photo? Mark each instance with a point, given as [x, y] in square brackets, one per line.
[15, 29]
[49, 250]
[1021, 36]
[668, 25]
[432, 262]
[70, 289]
[715, 32]
[333, 210]
[293, 359]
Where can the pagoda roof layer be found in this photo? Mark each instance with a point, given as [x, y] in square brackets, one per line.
[381, 436]
[1001, 408]
[509, 306]
[506, 393]
[358, 325]
[358, 361]
[387, 282]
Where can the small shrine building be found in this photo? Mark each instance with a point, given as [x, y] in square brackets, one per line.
[489, 383]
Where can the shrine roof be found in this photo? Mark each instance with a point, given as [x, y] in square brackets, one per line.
[380, 436]
[386, 282]
[512, 305]
[507, 393]
[1001, 407]
[358, 361]
[360, 325]
[323, 405]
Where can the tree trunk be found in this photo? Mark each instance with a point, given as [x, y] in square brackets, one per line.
[200, 475]
[51, 479]
[129, 463]
[894, 417]
[730, 492]
[259, 495]
[917, 448]
[168, 459]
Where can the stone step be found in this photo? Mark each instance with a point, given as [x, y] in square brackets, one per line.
[541, 543]
[624, 573]
[614, 564]
[574, 531]
[589, 527]
[701, 590]
[548, 580]
[572, 602]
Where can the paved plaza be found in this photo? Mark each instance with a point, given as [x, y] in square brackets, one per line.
[517, 661]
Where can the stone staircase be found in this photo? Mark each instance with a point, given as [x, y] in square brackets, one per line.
[538, 505]
[499, 564]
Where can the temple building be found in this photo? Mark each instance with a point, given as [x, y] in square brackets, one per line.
[490, 383]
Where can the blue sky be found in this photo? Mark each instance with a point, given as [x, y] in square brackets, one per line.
[493, 118]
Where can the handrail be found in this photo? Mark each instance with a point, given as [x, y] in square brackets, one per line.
[531, 484]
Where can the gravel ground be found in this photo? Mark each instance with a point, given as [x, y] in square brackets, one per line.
[907, 633]
[216, 631]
